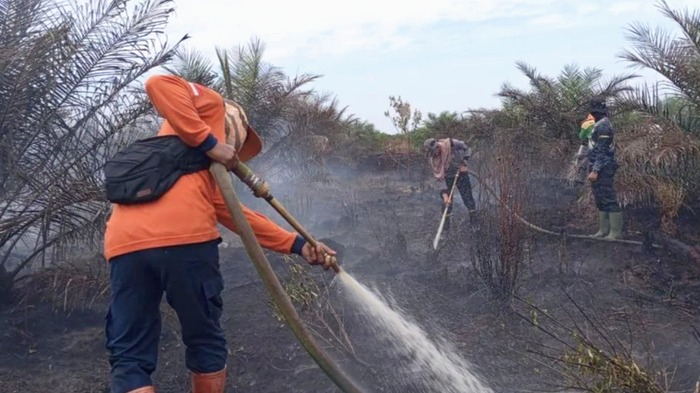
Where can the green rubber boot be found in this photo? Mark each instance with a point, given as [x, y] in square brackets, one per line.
[615, 226]
[603, 223]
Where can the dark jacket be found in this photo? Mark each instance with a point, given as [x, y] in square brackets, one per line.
[601, 146]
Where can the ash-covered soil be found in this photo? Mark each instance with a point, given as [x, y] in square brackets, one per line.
[383, 226]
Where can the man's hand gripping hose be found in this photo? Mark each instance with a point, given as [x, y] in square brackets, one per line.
[270, 279]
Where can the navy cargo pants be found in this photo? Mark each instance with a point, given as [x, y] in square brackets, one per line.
[190, 277]
[604, 190]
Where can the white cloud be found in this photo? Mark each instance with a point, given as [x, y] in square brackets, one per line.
[553, 21]
[313, 27]
[472, 42]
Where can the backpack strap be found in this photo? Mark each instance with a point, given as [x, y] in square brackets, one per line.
[195, 89]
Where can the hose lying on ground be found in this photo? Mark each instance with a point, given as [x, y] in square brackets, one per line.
[675, 246]
[273, 285]
[546, 231]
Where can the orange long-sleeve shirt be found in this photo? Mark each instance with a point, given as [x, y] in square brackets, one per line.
[188, 213]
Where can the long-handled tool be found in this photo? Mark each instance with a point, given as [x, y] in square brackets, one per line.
[272, 283]
[444, 214]
[262, 190]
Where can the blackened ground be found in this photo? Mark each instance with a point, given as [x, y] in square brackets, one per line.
[384, 227]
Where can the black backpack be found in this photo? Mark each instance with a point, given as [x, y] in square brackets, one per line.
[148, 168]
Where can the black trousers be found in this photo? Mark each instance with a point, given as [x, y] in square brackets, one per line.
[604, 190]
[189, 276]
[464, 186]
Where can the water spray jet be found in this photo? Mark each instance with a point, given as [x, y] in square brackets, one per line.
[452, 373]
[268, 276]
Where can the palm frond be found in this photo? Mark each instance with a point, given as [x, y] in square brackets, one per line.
[537, 81]
[616, 86]
[193, 66]
[226, 81]
[652, 101]
[688, 21]
[68, 91]
[659, 164]
[512, 93]
[675, 58]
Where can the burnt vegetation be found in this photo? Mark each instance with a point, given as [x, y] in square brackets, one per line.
[71, 95]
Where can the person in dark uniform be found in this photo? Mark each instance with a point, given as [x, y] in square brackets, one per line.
[446, 166]
[601, 171]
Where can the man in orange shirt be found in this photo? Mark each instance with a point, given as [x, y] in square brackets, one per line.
[171, 245]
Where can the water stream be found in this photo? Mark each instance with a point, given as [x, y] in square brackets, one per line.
[425, 365]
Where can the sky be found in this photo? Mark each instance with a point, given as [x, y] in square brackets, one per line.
[439, 55]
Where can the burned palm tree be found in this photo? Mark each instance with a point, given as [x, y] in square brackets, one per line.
[68, 74]
[659, 165]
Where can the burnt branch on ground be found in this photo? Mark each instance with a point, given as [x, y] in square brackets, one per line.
[311, 295]
[584, 354]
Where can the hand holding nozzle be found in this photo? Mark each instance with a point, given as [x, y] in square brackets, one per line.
[320, 254]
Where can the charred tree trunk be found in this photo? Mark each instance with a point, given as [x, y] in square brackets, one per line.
[6, 284]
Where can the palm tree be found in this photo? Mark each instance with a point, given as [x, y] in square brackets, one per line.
[661, 159]
[68, 85]
[242, 75]
[314, 126]
[445, 123]
[677, 58]
[659, 166]
[285, 111]
[556, 105]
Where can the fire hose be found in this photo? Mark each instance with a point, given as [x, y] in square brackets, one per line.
[546, 231]
[269, 278]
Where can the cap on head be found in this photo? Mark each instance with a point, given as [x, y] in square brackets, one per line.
[239, 132]
[597, 105]
[428, 144]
